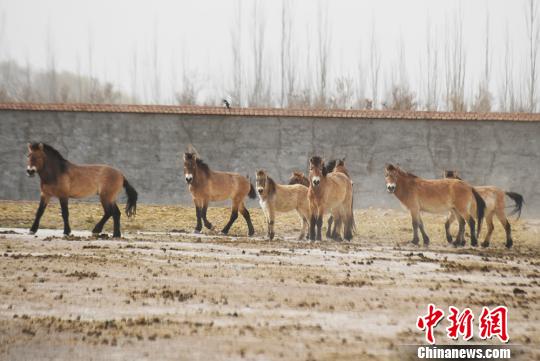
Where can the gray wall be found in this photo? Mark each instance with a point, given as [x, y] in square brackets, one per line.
[148, 147]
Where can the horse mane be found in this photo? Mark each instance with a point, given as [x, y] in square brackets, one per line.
[329, 167]
[203, 166]
[53, 156]
[404, 172]
[451, 174]
[271, 185]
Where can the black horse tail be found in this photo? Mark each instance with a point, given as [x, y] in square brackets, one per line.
[480, 210]
[518, 198]
[350, 224]
[131, 205]
[252, 194]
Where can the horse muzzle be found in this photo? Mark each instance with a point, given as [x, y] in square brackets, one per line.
[31, 171]
[316, 181]
[391, 188]
[189, 178]
[260, 190]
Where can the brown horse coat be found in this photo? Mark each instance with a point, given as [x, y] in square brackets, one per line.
[207, 185]
[494, 198]
[63, 179]
[435, 196]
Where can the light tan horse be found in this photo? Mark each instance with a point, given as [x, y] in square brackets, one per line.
[329, 193]
[63, 179]
[208, 186]
[275, 197]
[436, 196]
[335, 165]
[495, 205]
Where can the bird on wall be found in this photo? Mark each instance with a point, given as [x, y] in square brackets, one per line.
[226, 103]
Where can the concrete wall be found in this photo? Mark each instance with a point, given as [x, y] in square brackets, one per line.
[148, 147]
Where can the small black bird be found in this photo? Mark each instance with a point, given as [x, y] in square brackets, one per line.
[227, 104]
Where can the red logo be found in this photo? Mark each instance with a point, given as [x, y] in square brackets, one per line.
[491, 323]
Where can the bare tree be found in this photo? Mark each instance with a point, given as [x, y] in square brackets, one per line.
[482, 101]
[323, 53]
[134, 72]
[236, 48]
[506, 92]
[374, 65]
[156, 71]
[455, 65]
[432, 69]
[258, 44]
[533, 37]
[52, 92]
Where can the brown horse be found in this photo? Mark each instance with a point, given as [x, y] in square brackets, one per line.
[63, 179]
[329, 192]
[335, 165]
[207, 186]
[275, 197]
[495, 205]
[436, 196]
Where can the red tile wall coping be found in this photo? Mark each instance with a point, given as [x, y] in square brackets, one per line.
[271, 112]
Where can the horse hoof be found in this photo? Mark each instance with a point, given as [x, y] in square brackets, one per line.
[32, 233]
[474, 244]
[509, 245]
[449, 239]
[223, 233]
[95, 234]
[197, 231]
[209, 226]
[415, 242]
[485, 244]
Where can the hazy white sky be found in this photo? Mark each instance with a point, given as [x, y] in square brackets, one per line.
[196, 35]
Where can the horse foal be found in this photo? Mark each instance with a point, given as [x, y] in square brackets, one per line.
[281, 198]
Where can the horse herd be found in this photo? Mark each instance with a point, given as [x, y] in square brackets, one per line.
[327, 189]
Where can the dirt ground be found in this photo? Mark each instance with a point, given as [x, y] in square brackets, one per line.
[161, 292]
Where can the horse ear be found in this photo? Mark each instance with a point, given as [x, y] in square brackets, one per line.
[40, 146]
[389, 167]
[188, 156]
[29, 147]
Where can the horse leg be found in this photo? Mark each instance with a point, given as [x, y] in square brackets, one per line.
[425, 237]
[338, 224]
[472, 224]
[271, 219]
[304, 227]
[44, 200]
[319, 225]
[247, 217]
[107, 213]
[65, 215]
[116, 220]
[329, 227]
[204, 209]
[415, 215]
[490, 227]
[504, 221]
[312, 223]
[234, 215]
[460, 239]
[451, 218]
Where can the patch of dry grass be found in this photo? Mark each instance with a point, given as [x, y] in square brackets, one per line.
[374, 226]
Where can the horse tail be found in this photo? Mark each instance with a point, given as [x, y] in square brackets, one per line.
[252, 193]
[518, 199]
[350, 224]
[131, 205]
[480, 210]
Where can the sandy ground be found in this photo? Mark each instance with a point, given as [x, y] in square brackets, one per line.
[164, 293]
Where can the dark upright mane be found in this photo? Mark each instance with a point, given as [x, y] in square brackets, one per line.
[56, 163]
[329, 167]
[203, 166]
[404, 172]
[271, 185]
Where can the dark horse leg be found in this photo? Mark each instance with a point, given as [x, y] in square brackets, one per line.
[116, 220]
[234, 215]
[65, 215]
[447, 224]
[198, 212]
[336, 236]
[460, 239]
[415, 221]
[312, 224]
[107, 213]
[247, 217]
[329, 233]
[472, 225]
[41, 209]
[207, 223]
[425, 237]
[319, 226]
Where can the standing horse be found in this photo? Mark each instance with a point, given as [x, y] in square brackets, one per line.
[436, 196]
[275, 197]
[207, 186]
[63, 179]
[329, 192]
[335, 165]
[495, 205]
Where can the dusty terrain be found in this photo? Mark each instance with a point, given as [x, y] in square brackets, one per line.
[164, 293]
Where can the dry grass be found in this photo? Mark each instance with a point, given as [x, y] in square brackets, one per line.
[374, 226]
